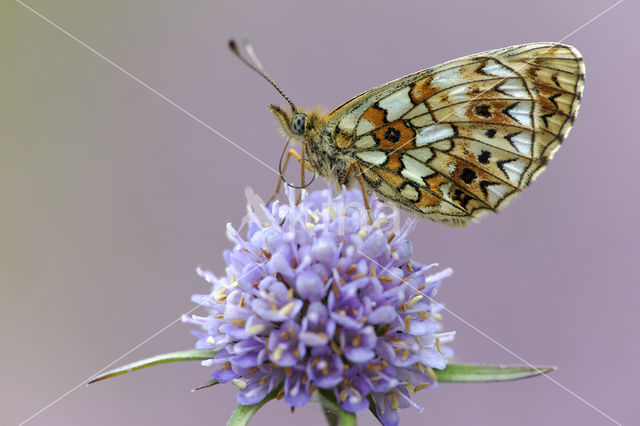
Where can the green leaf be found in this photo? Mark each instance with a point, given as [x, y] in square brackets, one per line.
[243, 413]
[188, 355]
[334, 414]
[372, 407]
[470, 373]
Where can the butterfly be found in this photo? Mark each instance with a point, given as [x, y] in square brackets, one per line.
[449, 143]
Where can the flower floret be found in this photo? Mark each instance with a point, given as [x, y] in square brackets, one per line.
[316, 296]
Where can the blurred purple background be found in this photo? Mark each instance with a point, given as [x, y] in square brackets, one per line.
[111, 197]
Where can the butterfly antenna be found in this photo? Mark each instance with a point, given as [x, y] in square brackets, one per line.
[256, 65]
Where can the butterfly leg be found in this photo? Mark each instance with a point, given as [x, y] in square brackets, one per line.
[302, 161]
[356, 168]
[291, 153]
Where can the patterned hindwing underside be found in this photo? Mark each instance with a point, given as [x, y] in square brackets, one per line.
[461, 139]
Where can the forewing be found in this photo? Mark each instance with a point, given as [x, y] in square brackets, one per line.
[463, 138]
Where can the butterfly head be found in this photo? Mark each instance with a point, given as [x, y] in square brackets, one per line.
[293, 124]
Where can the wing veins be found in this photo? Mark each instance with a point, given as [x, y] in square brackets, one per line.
[475, 165]
[483, 99]
[560, 59]
[408, 150]
[426, 188]
[456, 184]
[497, 147]
[564, 114]
[537, 83]
[427, 72]
[557, 69]
[470, 82]
[511, 53]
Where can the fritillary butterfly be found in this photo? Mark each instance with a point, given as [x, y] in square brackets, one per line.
[451, 142]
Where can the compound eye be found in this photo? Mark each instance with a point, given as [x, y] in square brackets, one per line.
[297, 125]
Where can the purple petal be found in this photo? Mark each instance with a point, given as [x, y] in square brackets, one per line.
[281, 264]
[374, 245]
[384, 314]
[386, 414]
[325, 368]
[352, 393]
[309, 286]
[273, 239]
[432, 358]
[296, 393]
[325, 250]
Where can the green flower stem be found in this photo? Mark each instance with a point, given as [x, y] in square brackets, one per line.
[472, 373]
[243, 413]
[372, 407]
[188, 355]
[334, 414]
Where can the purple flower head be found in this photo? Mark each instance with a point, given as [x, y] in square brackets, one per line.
[317, 297]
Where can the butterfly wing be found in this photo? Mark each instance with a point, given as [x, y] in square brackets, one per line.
[463, 138]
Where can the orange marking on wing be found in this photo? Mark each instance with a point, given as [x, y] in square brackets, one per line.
[544, 89]
[533, 72]
[422, 90]
[397, 131]
[490, 112]
[374, 116]
[544, 93]
[371, 176]
[469, 129]
[391, 178]
[343, 141]
[393, 163]
[427, 199]
[545, 102]
[433, 182]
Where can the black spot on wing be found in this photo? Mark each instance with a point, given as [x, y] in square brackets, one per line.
[484, 157]
[490, 133]
[392, 134]
[482, 111]
[468, 176]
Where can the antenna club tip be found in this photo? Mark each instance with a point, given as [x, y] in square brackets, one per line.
[232, 44]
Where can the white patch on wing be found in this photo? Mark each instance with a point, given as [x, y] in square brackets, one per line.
[496, 193]
[522, 141]
[364, 126]
[445, 145]
[396, 104]
[514, 88]
[514, 169]
[447, 78]
[386, 189]
[521, 112]
[414, 170]
[450, 168]
[421, 154]
[348, 123]
[428, 135]
[445, 188]
[423, 120]
[495, 69]
[458, 93]
[410, 192]
[365, 142]
[419, 109]
[447, 208]
[373, 157]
